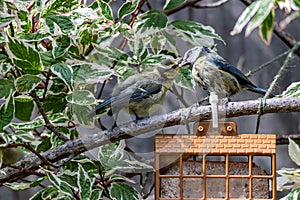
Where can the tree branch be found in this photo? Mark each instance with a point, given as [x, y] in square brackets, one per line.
[49, 125]
[181, 116]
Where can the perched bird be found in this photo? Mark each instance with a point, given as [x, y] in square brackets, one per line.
[215, 74]
[142, 93]
[9, 156]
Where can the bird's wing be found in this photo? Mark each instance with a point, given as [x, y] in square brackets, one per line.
[223, 65]
[137, 94]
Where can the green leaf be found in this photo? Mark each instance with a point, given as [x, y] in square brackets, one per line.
[24, 185]
[127, 8]
[6, 19]
[58, 119]
[266, 28]
[171, 4]
[23, 107]
[91, 73]
[44, 145]
[96, 194]
[49, 192]
[61, 6]
[81, 97]
[64, 72]
[184, 78]
[61, 45]
[106, 10]
[58, 24]
[111, 157]
[245, 17]
[80, 114]
[150, 22]
[125, 72]
[194, 28]
[294, 152]
[55, 103]
[261, 14]
[6, 112]
[27, 83]
[85, 183]
[123, 191]
[59, 184]
[32, 37]
[24, 57]
[6, 86]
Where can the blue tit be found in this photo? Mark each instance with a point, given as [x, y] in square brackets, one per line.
[215, 74]
[142, 93]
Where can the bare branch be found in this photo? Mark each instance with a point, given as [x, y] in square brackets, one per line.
[49, 125]
[181, 116]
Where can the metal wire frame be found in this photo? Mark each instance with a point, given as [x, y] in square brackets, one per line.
[227, 176]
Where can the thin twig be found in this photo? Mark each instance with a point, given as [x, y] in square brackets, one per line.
[49, 125]
[274, 82]
[250, 73]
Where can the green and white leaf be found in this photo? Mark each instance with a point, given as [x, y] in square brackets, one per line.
[150, 22]
[195, 33]
[127, 8]
[26, 83]
[32, 37]
[96, 194]
[58, 24]
[7, 112]
[6, 87]
[61, 46]
[171, 4]
[24, 107]
[294, 152]
[184, 79]
[6, 19]
[266, 28]
[245, 17]
[119, 191]
[24, 56]
[55, 103]
[85, 183]
[24, 185]
[61, 6]
[111, 156]
[59, 184]
[80, 114]
[261, 14]
[293, 195]
[292, 90]
[64, 72]
[91, 73]
[81, 97]
[57, 119]
[106, 10]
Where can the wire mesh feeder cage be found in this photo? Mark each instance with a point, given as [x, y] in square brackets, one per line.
[215, 165]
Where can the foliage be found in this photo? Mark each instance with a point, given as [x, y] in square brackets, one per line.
[54, 53]
[290, 177]
[261, 14]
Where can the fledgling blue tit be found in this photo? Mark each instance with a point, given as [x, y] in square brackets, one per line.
[143, 93]
[215, 74]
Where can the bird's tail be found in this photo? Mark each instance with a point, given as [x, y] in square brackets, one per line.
[259, 91]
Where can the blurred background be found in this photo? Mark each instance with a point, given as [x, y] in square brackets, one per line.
[245, 53]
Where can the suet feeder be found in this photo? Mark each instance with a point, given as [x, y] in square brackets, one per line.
[215, 165]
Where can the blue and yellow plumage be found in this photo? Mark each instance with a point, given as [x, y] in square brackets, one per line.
[215, 74]
[143, 93]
